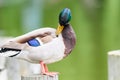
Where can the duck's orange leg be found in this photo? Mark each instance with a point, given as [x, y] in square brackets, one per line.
[45, 71]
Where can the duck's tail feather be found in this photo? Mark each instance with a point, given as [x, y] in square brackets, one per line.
[9, 52]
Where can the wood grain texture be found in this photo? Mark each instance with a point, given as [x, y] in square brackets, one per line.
[39, 77]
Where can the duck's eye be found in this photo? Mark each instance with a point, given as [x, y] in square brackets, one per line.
[34, 42]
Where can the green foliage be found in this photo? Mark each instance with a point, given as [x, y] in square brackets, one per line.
[10, 20]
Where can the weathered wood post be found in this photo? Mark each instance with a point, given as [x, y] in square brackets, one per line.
[114, 65]
[39, 77]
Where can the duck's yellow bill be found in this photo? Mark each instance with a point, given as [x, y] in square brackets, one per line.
[59, 30]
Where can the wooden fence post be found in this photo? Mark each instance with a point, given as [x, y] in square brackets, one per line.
[114, 65]
[39, 77]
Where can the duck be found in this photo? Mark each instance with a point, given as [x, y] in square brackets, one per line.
[45, 45]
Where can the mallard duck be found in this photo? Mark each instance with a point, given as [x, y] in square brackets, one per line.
[44, 45]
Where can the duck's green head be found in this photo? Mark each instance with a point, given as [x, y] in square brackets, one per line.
[64, 18]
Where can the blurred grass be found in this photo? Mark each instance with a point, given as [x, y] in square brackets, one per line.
[97, 30]
[10, 17]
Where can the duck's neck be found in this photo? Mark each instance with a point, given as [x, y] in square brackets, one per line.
[69, 38]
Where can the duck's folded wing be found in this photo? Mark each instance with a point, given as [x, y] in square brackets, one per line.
[33, 34]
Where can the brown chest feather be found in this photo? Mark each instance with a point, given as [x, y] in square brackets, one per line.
[69, 39]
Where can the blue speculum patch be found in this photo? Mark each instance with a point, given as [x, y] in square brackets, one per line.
[34, 42]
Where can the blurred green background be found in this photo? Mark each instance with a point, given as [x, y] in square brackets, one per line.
[96, 23]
